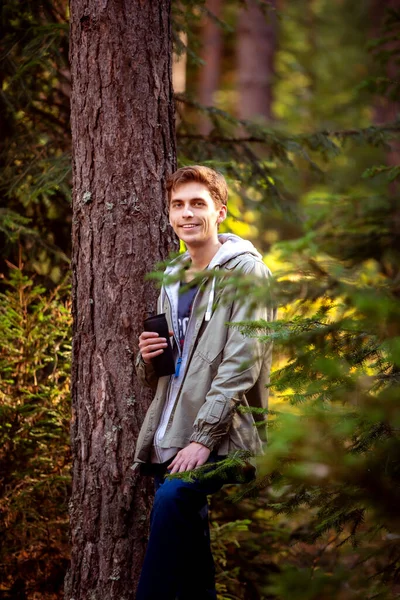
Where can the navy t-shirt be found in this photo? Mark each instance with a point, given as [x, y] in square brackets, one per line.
[184, 311]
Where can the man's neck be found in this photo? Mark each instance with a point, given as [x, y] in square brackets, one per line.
[201, 257]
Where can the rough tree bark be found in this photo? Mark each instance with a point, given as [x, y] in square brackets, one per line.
[123, 148]
[256, 47]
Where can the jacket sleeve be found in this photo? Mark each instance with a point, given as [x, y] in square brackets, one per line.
[242, 360]
[145, 373]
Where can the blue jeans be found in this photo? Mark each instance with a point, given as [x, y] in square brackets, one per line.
[178, 564]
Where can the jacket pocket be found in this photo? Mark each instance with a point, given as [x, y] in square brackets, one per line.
[216, 410]
[211, 354]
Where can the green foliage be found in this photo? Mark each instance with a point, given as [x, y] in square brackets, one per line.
[35, 329]
[12, 224]
[324, 511]
[224, 538]
[186, 16]
[336, 453]
[35, 141]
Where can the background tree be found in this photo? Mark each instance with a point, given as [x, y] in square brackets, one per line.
[387, 105]
[211, 51]
[123, 148]
[256, 47]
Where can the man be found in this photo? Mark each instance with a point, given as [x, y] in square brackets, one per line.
[194, 416]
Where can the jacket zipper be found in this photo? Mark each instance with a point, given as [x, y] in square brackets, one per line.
[176, 374]
[177, 370]
[178, 365]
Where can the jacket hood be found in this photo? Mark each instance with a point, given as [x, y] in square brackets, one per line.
[232, 246]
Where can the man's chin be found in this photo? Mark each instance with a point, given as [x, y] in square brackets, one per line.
[193, 243]
[194, 239]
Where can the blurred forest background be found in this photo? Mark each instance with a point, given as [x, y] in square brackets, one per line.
[297, 103]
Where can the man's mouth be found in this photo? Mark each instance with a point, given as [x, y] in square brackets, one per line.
[191, 226]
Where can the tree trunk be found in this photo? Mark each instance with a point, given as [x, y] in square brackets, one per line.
[179, 67]
[255, 55]
[386, 109]
[211, 55]
[123, 147]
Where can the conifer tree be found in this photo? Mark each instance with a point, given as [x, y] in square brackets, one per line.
[35, 142]
[122, 117]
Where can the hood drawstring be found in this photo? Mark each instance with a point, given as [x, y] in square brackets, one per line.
[162, 298]
[231, 247]
[210, 300]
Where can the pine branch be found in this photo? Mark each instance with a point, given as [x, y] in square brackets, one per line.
[339, 133]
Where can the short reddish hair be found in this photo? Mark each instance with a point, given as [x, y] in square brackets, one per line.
[214, 182]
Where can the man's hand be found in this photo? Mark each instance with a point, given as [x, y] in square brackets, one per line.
[189, 458]
[151, 345]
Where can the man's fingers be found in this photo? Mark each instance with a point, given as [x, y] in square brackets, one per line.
[145, 335]
[181, 467]
[175, 469]
[152, 354]
[174, 463]
[175, 466]
[152, 342]
[150, 350]
[188, 459]
[153, 347]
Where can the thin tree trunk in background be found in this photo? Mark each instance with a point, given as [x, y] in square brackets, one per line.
[211, 55]
[179, 68]
[123, 148]
[256, 45]
[386, 109]
[179, 75]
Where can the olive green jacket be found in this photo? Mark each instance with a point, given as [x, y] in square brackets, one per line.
[222, 370]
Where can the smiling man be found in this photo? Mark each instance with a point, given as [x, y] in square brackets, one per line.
[194, 417]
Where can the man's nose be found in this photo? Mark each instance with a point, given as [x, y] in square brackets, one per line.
[187, 211]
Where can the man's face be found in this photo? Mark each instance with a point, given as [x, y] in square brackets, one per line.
[194, 216]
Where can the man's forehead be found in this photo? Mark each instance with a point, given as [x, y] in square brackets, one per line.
[187, 191]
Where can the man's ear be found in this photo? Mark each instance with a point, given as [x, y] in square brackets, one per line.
[222, 214]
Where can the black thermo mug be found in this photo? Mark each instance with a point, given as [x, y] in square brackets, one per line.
[163, 363]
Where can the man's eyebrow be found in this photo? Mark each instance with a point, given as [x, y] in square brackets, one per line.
[190, 199]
